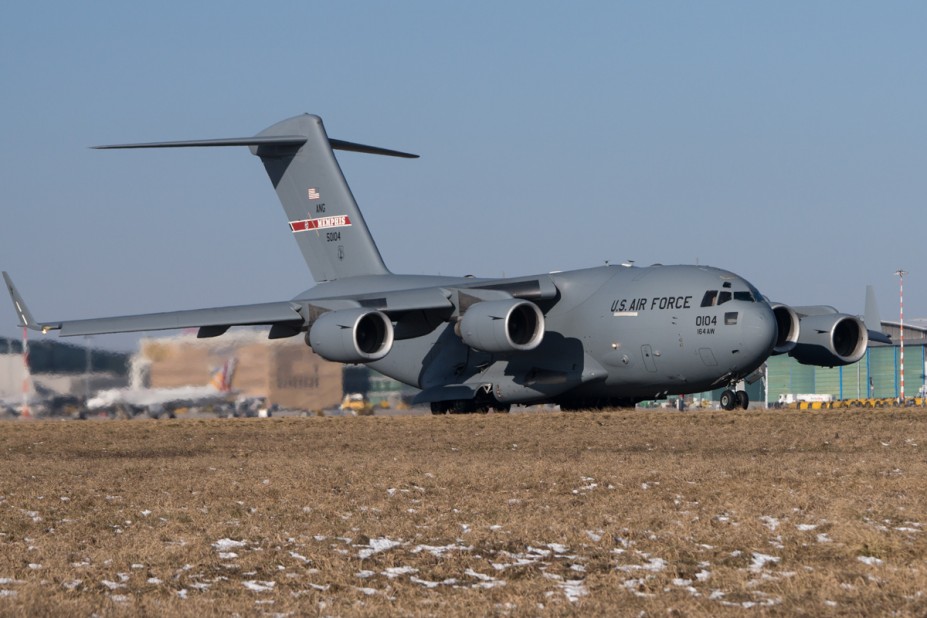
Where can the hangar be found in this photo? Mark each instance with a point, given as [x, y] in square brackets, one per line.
[877, 375]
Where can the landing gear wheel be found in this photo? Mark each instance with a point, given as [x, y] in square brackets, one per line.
[728, 399]
[743, 399]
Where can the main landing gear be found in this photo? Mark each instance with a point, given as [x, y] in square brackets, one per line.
[731, 400]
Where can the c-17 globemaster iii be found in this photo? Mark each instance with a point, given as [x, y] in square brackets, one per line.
[591, 338]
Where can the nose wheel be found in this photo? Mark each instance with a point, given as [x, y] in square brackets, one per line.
[731, 400]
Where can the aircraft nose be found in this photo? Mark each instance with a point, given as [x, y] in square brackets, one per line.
[758, 331]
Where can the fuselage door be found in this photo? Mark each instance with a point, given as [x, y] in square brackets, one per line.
[647, 353]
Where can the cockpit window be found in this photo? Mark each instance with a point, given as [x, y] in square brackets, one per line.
[714, 298]
[756, 293]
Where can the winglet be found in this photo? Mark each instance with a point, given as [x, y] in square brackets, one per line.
[25, 316]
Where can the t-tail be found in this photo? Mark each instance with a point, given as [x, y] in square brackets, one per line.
[223, 376]
[321, 212]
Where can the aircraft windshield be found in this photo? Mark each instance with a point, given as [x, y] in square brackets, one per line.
[713, 298]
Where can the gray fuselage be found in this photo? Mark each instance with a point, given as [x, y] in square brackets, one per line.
[612, 333]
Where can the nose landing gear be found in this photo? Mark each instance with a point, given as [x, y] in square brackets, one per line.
[731, 400]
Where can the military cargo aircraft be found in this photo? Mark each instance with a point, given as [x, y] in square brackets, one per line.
[611, 335]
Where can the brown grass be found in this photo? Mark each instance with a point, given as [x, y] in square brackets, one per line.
[692, 514]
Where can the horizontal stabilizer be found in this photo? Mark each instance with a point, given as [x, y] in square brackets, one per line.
[292, 141]
[275, 140]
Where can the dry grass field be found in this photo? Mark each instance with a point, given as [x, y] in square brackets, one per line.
[622, 513]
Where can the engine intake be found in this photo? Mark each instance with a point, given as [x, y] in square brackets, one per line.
[502, 326]
[787, 322]
[830, 340]
[351, 335]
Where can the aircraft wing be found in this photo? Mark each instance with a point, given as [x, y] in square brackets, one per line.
[210, 319]
[211, 322]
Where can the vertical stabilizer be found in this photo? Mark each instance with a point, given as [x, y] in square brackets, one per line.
[872, 318]
[322, 214]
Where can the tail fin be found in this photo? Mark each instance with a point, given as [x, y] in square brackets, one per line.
[222, 378]
[321, 211]
[872, 319]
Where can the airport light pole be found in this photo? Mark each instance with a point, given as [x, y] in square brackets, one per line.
[901, 273]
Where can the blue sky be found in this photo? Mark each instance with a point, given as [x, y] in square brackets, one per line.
[784, 141]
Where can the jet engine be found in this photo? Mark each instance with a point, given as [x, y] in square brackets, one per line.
[787, 322]
[830, 340]
[351, 335]
[502, 326]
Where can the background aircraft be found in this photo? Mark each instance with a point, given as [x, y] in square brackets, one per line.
[158, 401]
[597, 337]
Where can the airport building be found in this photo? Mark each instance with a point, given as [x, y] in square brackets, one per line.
[877, 375]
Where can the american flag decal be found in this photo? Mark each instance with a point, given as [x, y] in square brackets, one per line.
[313, 193]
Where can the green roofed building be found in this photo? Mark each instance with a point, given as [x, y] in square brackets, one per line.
[877, 375]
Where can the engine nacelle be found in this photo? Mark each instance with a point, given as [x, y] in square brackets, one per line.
[351, 335]
[830, 340]
[787, 322]
[502, 326]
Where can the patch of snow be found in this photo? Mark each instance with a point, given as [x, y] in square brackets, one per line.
[870, 560]
[761, 560]
[486, 581]
[259, 586]
[440, 550]
[634, 585]
[376, 546]
[394, 572]
[112, 585]
[574, 589]
[227, 544]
